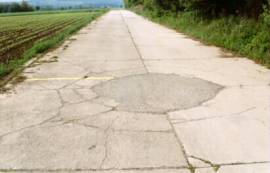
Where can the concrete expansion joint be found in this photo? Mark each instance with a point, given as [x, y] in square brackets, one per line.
[192, 169]
[143, 169]
[134, 43]
[181, 145]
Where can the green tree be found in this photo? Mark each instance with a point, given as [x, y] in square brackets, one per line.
[208, 8]
[25, 7]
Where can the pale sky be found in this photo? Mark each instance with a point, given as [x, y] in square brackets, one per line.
[9, 0]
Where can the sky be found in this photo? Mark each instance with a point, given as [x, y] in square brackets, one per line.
[9, 0]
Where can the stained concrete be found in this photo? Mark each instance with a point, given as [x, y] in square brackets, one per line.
[157, 93]
[128, 95]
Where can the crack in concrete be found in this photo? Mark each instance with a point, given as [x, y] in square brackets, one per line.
[88, 126]
[53, 119]
[28, 127]
[215, 167]
[213, 117]
[119, 70]
[96, 170]
[190, 166]
[79, 95]
[75, 121]
[38, 124]
[82, 96]
[63, 102]
[145, 112]
[134, 43]
[243, 163]
[105, 149]
[106, 142]
[116, 130]
[142, 131]
[123, 169]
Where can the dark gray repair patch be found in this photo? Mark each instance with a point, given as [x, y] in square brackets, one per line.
[157, 93]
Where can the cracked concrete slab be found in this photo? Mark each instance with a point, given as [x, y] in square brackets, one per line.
[152, 150]
[52, 147]
[229, 118]
[226, 140]
[19, 110]
[74, 109]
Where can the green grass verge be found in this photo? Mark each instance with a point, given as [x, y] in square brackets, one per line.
[44, 45]
[244, 37]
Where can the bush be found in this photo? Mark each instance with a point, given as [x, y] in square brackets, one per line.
[245, 36]
[208, 8]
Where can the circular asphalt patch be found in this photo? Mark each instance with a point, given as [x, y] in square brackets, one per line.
[157, 93]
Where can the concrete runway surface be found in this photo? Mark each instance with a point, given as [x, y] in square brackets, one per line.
[126, 95]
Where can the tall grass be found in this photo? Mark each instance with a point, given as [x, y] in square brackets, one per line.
[246, 37]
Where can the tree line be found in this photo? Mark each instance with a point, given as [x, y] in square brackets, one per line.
[209, 8]
[16, 7]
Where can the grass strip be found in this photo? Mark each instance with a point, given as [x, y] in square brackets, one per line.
[244, 37]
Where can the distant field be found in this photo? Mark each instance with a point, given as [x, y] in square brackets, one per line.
[47, 12]
[19, 33]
